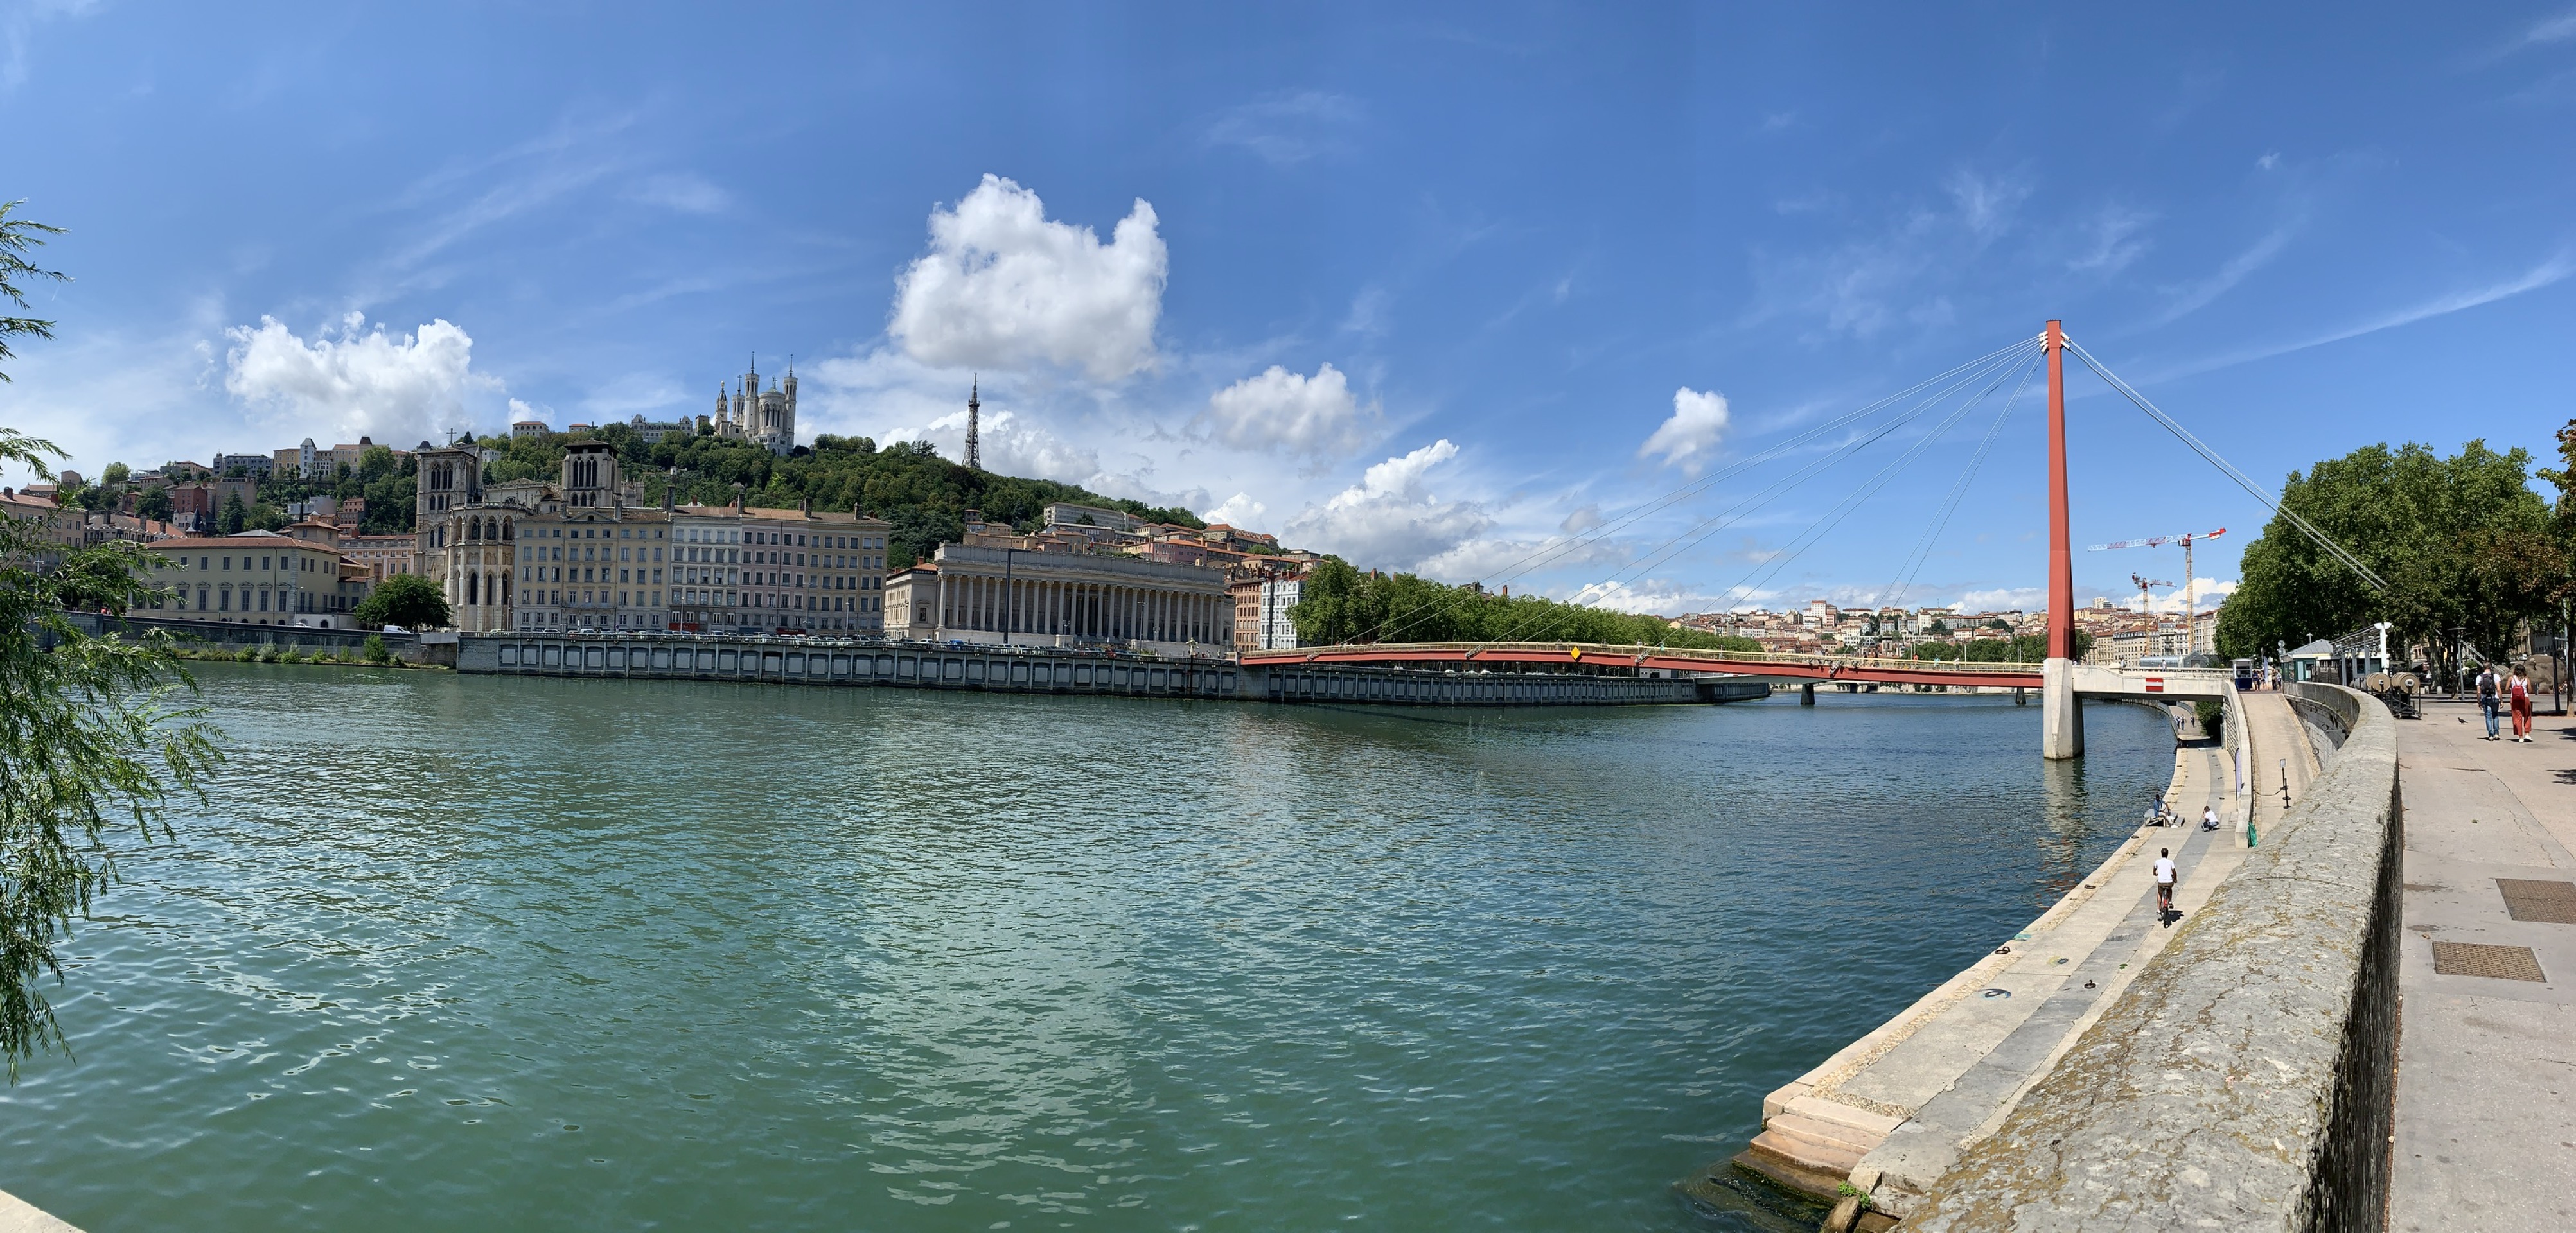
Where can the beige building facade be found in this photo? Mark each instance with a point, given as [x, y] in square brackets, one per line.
[260, 578]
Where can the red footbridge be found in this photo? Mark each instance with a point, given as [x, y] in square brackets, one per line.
[1584, 656]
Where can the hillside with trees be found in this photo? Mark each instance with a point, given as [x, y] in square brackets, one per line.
[1341, 604]
[908, 484]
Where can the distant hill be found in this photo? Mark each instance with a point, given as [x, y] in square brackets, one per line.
[908, 484]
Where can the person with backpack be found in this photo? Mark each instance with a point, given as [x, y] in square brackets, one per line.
[2489, 698]
[2517, 695]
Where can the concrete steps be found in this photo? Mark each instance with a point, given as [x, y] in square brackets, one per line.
[1822, 1135]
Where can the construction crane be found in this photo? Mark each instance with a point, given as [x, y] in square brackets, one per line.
[2146, 605]
[2191, 580]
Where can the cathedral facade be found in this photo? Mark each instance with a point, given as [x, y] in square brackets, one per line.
[751, 413]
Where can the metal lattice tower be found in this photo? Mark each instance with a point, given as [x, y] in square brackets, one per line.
[974, 410]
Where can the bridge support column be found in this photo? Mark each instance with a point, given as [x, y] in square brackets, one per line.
[1807, 694]
[2061, 717]
[2021, 696]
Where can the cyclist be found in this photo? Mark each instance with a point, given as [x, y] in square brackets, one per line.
[2164, 886]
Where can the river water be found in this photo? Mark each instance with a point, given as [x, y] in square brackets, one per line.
[486, 954]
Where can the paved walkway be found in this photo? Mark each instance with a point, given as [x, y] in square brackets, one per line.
[2486, 1080]
[1891, 1111]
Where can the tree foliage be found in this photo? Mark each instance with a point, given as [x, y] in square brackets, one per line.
[1340, 604]
[2019, 649]
[908, 484]
[18, 237]
[408, 600]
[92, 731]
[2463, 542]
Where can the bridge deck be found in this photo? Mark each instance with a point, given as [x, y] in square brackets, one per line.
[2090, 681]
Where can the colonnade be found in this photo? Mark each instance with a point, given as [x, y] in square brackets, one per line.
[1083, 610]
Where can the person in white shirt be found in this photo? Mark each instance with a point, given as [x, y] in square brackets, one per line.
[2209, 817]
[2164, 886]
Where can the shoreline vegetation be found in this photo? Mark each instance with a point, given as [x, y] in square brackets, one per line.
[372, 655]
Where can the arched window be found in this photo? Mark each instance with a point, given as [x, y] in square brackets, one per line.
[473, 529]
[505, 529]
[473, 581]
[505, 578]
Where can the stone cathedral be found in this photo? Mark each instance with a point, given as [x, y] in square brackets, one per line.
[754, 414]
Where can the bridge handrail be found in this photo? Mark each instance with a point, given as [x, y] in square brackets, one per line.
[1614, 651]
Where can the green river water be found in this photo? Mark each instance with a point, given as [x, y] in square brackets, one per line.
[488, 955]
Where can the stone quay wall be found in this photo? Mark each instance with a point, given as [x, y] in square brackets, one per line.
[2246, 1079]
[1050, 669]
[236, 637]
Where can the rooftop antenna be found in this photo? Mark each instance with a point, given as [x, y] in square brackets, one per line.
[974, 411]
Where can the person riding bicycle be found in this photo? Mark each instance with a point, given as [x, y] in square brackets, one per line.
[2164, 886]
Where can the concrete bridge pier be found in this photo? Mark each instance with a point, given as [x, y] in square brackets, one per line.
[2021, 696]
[2061, 712]
[1807, 694]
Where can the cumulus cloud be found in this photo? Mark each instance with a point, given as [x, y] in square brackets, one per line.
[1650, 595]
[2210, 592]
[1690, 438]
[1390, 520]
[1280, 410]
[358, 380]
[1498, 557]
[1004, 288]
[1239, 510]
[2003, 599]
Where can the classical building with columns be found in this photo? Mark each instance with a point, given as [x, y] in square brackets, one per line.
[982, 594]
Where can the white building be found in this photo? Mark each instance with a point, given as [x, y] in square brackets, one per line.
[1278, 595]
[1000, 595]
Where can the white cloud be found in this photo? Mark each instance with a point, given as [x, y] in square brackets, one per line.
[2209, 593]
[1501, 560]
[1650, 595]
[1280, 410]
[685, 193]
[1690, 438]
[359, 381]
[2551, 29]
[2003, 599]
[2193, 298]
[1987, 206]
[1239, 510]
[1003, 288]
[2114, 245]
[1389, 520]
[1287, 129]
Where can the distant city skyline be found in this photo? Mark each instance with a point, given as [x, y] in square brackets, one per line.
[1430, 292]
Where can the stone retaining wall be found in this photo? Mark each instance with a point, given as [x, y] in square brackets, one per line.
[2245, 1081]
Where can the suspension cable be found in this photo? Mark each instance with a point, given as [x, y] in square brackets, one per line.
[2228, 469]
[1691, 537]
[1541, 557]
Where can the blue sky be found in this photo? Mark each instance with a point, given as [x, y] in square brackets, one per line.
[1558, 261]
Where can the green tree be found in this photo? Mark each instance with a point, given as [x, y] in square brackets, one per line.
[19, 237]
[2458, 541]
[235, 517]
[116, 473]
[92, 731]
[1339, 604]
[154, 503]
[408, 600]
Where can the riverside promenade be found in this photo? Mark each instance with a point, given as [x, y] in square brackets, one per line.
[2486, 1078]
[1890, 1113]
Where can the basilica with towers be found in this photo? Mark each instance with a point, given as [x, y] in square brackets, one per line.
[754, 414]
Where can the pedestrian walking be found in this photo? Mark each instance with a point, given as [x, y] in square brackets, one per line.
[2164, 886]
[2517, 695]
[2490, 698]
